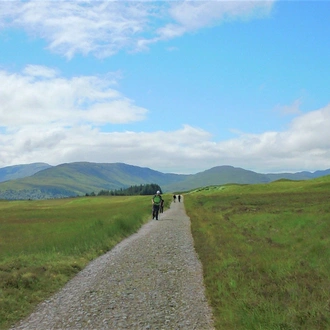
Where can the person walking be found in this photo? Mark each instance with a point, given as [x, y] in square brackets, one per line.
[156, 202]
[174, 198]
[161, 208]
[179, 198]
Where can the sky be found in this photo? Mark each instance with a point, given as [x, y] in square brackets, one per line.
[175, 86]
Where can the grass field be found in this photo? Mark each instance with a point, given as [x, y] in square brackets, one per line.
[265, 251]
[45, 243]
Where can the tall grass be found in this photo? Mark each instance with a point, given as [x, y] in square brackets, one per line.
[45, 243]
[265, 250]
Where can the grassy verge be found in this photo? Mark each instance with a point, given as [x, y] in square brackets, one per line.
[45, 243]
[265, 250]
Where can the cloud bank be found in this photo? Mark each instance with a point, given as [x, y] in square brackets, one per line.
[45, 117]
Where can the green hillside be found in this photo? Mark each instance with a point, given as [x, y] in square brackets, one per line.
[74, 179]
[21, 171]
[216, 176]
[82, 178]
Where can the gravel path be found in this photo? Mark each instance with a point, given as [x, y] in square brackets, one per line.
[151, 280]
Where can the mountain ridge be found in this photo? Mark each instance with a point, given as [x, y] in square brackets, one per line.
[80, 178]
[20, 171]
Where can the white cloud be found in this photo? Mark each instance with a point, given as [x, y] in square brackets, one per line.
[304, 146]
[193, 15]
[293, 108]
[117, 112]
[70, 27]
[39, 71]
[39, 97]
[102, 28]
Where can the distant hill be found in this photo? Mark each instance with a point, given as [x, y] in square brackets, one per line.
[21, 171]
[76, 179]
[216, 176]
[228, 174]
[298, 176]
[80, 178]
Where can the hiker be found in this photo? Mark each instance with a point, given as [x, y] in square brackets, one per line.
[161, 208]
[179, 198]
[156, 202]
[174, 198]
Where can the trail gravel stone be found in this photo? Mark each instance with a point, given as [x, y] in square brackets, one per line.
[151, 280]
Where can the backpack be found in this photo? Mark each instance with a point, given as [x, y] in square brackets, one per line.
[157, 199]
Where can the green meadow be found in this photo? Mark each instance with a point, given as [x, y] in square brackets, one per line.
[265, 251]
[43, 244]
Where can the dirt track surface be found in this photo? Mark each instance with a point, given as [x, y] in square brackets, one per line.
[151, 280]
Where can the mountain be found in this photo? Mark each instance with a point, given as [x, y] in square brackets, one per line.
[77, 179]
[228, 174]
[297, 176]
[216, 176]
[21, 171]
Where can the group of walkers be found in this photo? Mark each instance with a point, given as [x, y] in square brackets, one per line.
[158, 204]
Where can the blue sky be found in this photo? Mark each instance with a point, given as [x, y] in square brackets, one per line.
[177, 86]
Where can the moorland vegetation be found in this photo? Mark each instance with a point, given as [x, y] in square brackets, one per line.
[44, 243]
[264, 249]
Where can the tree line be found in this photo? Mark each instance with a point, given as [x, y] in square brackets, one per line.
[142, 189]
